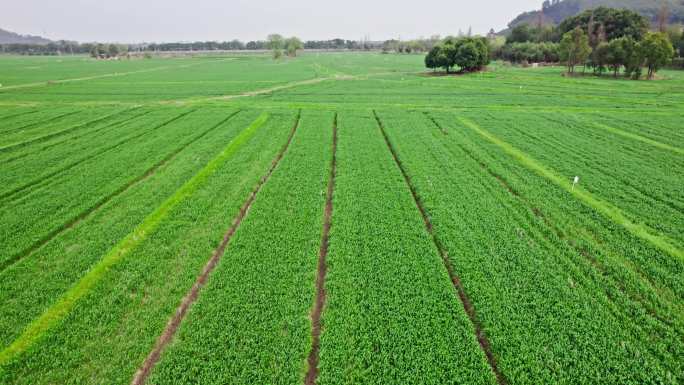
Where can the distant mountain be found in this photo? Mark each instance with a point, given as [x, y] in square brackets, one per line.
[7, 37]
[555, 11]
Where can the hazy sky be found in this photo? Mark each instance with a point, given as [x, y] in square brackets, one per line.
[176, 20]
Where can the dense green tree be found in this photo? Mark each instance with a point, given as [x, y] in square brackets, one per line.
[276, 44]
[574, 48]
[601, 57]
[525, 33]
[292, 45]
[530, 52]
[468, 56]
[468, 53]
[616, 23]
[633, 58]
[113, 50]
[615, 55]
[94, 51]
[472, 53]
[657, 52]
[432, 59]
[520, 34]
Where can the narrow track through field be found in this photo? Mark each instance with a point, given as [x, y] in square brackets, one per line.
[319, 304]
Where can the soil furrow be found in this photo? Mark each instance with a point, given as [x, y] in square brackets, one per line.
[44, 178]
[434, 121]
[102, 202]
[455, 279]
[174, 323]
[313, 359]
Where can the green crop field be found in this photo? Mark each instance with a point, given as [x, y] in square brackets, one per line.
[337, 218]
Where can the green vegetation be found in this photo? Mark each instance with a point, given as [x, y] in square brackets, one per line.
[460, 251]
[601, 38]
[467, 53]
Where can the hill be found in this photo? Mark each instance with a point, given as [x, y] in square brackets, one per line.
[7, 37]
[557, 11]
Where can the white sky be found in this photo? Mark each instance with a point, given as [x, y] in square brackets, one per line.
[175, 20]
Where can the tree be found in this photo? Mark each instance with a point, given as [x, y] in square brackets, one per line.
[275, 43]
[292, 45]
[472, 53]
[633, 58]
[601, 57]
[448, 55]
[95, 51]
[615, 55]
[520, 34]
[657, 51]
[469, 53]
[574, 48]
[112, 50]
[617, 23]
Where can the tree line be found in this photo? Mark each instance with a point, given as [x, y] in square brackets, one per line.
[602, 39]
[467, 53]
[64, 47]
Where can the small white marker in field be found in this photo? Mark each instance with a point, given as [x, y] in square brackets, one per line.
[574, 182]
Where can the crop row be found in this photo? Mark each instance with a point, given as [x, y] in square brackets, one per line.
[46, 208]
[391, 313]
[662, 127]
[112, 326]
[65, 124]
[13, 122]
[36, 165]
[251, 323]
[550, 314]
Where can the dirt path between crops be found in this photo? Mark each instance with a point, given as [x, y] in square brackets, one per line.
[278, 88]
[455, 279]
[174, 323]
[319, 304]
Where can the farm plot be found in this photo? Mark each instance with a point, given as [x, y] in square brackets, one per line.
[337, 218]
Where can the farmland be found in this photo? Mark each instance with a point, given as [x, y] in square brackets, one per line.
[337, 218]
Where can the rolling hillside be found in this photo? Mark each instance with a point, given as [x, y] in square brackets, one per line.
[557, 12]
